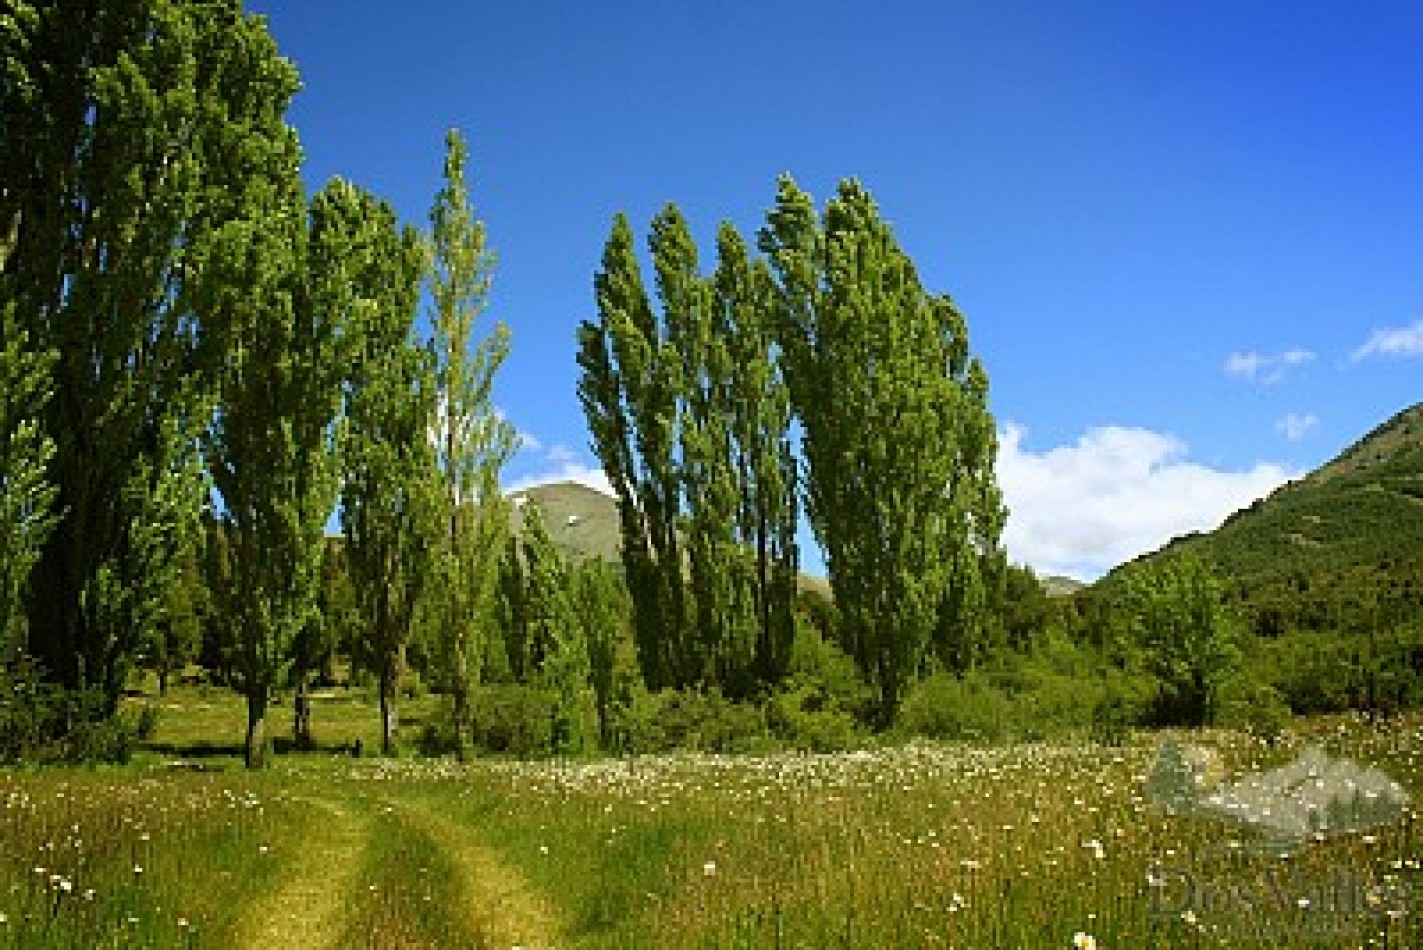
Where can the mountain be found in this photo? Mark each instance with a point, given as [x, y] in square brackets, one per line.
[583, 522]
[1351, 529]
[1055, 585]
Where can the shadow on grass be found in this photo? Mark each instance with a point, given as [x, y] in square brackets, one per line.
[280, 745]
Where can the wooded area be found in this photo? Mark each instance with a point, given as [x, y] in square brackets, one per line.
[201, 364]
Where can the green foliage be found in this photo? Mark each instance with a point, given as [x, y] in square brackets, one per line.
[818, 664]
[692, 720]
[26, 495]
[273, 444]
[175, 637]
[1188, 634]
[801, 718]
[604, 611]
[557, 643]
[691, 417]
[473, 441]
[943, 706]
[1253, 706]
[141, 147]
[894, 409]
[629, 395]
[513, 718]
[41, 721]
[389, 496]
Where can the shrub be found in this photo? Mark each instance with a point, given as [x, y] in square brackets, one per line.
[806, 719]
[513, 718]
[949, 707]
[819, 664]
[41, 722]
[1254, 707]
[690, 720]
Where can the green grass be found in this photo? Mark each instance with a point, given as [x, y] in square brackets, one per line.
[913, 846]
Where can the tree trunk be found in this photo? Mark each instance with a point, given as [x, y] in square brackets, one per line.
[254, 751]
[301, 712]
[389, 705]
[461, 719]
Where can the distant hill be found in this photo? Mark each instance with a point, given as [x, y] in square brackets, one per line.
[1355, 523]
[583, 522]
[1057, 586]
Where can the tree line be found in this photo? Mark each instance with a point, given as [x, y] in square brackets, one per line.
[202, 362]
[199, 355]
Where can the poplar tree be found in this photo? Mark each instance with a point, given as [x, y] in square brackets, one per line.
[558, 647]
[273, 443]
[600, 600]
[691, 418]
[390, 511]
[140, 139]
[758, 407]
[897, 435]
[26, 495]
[715, 649]
[474, 442]
[629, 391]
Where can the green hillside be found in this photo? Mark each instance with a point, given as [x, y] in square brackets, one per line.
[582, 522]
[1349, 534]
[1055, 585]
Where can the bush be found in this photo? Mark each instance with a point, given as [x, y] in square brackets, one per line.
[805, 718]
[948, 707]
[689, 720]
[514, 719]
[1247, 704]
[821, 665]
[41, 722]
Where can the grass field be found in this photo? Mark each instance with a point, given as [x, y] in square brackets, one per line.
[925, 845]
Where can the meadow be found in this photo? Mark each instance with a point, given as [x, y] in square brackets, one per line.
[908, 845]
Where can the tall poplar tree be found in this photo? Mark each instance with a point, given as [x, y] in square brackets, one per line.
[139, 140]
[691, 418]
[629, 391]
[390, 511]
[897, 435]
[273, 444]
[558, 647]
[26, 496]
[715, 648]
[474, 442]
[758, 407]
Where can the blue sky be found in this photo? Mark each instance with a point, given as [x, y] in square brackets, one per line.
[1188, 237]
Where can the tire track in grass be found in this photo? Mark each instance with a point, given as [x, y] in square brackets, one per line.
[305, 908]
[501, 906]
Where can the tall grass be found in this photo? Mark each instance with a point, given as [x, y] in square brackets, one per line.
[925, 844]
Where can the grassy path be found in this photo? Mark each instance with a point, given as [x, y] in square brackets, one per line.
[305, 909]
[499, 904]
[393, 871]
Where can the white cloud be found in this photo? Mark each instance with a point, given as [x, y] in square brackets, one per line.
[563, 465]
[561, 454]
[1118, 492]
[1296, 426]
[1266, 367]
[1245, 365]
[1393, 341]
